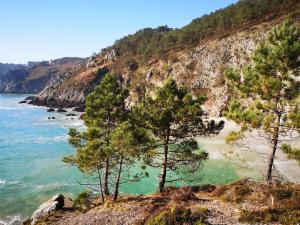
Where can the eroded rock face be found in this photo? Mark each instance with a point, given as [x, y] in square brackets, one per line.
[33, 77]
[52, 205]
[201, 69]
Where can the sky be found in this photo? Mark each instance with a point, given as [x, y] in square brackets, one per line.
[35, 30]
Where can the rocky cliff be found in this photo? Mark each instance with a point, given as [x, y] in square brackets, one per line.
[33, 77]
[200, 68]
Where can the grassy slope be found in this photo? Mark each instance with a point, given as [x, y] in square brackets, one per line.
[241, 202]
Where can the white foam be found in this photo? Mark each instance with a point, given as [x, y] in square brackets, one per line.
[2, 182]
[12, 220]
[40, 187]
[42, 140]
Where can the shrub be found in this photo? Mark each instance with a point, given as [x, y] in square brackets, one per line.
[178, 215]
[82, 202]
[282, 216]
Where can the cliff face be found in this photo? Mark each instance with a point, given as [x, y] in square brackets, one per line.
[200, 68]
[33, 77]
[69, 89]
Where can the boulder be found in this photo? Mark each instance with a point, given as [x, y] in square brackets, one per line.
[50, 110]
[29, 98]
[71, 114]
[79, 109]
[54, 204]
[61, 110]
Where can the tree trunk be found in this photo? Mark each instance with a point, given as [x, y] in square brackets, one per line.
[118, 179]
[106, 189]
[163, 176]
[100, 184]
[273, 151]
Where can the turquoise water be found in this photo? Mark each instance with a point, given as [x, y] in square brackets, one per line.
[31, 170]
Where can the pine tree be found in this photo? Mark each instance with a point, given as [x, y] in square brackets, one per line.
[266, 94]
[90, 156]
[174, 118]
[105, 110]
[130, 143]
[111, 143]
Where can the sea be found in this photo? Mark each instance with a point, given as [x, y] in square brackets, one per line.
[32, 146]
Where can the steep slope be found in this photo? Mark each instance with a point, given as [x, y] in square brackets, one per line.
[197, 58]
[33, 77]
[5, 67]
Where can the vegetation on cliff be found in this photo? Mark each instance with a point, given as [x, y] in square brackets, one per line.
[153, 43]
[265, 94]
[110, 143]
[244, 201]
[174, 118]
[118, 137]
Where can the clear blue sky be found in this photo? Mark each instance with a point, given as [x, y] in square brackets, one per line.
[34, 30]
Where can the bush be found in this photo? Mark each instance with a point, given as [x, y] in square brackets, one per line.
[82, 202]
[178, 215]
[282, 216]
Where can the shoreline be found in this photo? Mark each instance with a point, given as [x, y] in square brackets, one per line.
[215, 145]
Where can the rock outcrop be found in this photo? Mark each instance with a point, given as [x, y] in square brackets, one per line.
[200, 68]
[54, 204]
[33, 77]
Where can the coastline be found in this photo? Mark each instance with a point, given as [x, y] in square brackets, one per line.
[216, 147]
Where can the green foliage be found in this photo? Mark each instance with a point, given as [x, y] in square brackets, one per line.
[111, 141]
[174, 118]
[293, 153]
[104, 111]
[286, 199]
[131, 140]
[131, 143]
[281, 216]
[82, 201]
[233, 136]
[148, 43]
[177, 216]
[265, 94]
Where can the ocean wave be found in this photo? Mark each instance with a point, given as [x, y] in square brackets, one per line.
[6, 183]
[7, 108]
[43, 140]
[12, 220]
[41, 187]
[37, 187]
[33, 140]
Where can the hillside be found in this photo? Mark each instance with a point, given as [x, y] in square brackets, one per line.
[195, 55]
[5, 67]
[243, 202]
[33, 77]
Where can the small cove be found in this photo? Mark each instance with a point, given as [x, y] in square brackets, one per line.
[31, 170]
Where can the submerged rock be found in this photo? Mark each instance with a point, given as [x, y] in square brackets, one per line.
[61, 110]
[29, 98]
[79, 108]
[24, 101]
[71, 114]
[50, 110]
[54, 204]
